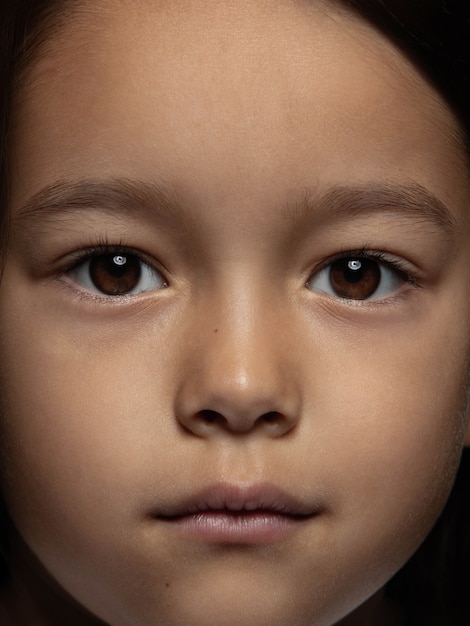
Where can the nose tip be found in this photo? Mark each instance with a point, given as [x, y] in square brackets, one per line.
[238, 393]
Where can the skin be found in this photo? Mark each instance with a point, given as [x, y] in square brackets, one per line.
[355, 407]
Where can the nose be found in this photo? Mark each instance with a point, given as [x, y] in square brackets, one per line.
[240, 375]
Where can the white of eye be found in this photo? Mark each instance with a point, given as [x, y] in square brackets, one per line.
[357, 278]
[116, 274]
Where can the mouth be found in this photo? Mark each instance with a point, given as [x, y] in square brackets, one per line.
[248, 514]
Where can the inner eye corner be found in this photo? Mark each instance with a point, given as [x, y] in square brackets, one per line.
[114, 272]
[359, 276]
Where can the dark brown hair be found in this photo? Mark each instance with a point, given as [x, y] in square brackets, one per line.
[433, 588]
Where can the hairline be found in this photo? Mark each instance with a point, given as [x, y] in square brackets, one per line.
[58, 14]
[56, 17]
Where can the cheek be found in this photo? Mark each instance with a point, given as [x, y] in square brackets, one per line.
[93, 420]
[389, 421]
[398, 412]
[98, 414]
[89, 436]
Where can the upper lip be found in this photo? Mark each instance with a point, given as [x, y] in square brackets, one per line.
[241, 498]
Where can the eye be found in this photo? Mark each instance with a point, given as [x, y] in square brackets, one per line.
[358, 278]
[116, 274]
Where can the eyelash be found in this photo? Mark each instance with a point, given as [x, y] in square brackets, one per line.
[102, 248]
[395, 264]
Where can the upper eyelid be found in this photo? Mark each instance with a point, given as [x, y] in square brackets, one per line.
[390, 260]
[86, 253]
[398, 265]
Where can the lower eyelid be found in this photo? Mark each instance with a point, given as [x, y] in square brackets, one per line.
[80, 275]
[393, 273]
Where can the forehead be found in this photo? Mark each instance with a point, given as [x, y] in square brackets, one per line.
[168, 87]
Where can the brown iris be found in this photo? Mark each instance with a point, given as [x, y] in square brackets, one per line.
[115, 274]
[355, 278]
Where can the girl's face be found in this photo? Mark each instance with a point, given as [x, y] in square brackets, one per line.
[235, 312]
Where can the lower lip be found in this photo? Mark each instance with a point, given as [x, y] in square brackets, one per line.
[250, 527]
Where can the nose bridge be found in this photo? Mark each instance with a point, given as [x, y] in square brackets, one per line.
[244, 349]
[238, 376]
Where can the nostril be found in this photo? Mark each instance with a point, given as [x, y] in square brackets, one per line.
[211, 417]
[208, 420]
[270, 417]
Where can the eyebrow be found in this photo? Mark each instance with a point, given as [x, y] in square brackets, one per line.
[116, 195]
[410, 201]
[131, 197]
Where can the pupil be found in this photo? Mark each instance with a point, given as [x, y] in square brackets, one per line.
[354, 265]
[354, 271]
[115, 274]
[120, 260]
[118, 266]
[356, 279]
